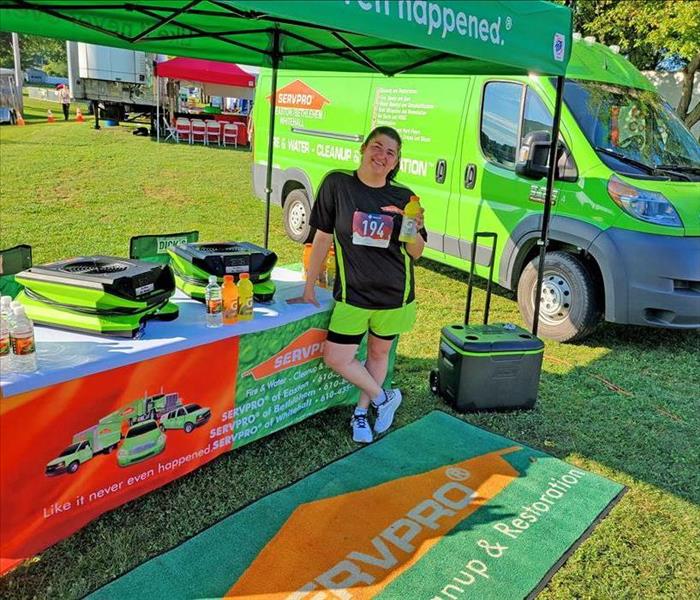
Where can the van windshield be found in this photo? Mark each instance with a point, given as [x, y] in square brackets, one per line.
[634, 131]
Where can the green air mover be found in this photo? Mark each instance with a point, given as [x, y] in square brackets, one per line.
[194, 263]
[487, 367]
[98, 294]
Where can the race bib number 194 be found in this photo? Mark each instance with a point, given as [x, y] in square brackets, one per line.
[369, 229]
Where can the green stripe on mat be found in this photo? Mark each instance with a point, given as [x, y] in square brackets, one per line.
[436, 509]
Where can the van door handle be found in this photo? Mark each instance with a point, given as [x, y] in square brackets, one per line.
[470, 176]
[441, 170]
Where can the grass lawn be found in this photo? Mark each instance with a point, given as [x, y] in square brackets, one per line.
[625, 403]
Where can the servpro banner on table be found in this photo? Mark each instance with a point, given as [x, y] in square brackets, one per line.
[71, 451]
[282, 379]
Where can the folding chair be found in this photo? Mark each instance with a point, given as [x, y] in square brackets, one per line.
[169, 131]
[199, 131]
[154, 248]
[12, 261]
[231, 134]
[183, 129]
[214, 132]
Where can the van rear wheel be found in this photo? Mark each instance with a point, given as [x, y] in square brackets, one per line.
[297, 211]
[569, 306]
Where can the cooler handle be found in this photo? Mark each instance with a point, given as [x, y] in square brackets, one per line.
[470, 286]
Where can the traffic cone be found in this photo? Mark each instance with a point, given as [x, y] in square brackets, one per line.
[49, 116]
[20, 120]
[79, 118]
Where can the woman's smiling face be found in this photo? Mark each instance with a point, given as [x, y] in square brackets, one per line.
[380, 155]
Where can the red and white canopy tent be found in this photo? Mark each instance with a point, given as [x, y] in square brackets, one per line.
[215, 78]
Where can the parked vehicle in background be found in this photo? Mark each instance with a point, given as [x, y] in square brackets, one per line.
[625, 228]
[9, 96]
[186, 417]
[121, 80]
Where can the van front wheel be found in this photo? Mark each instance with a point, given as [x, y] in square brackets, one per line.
[297, 210]
[569, 306]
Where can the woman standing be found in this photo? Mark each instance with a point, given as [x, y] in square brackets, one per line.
[374, 289]
[63, 94]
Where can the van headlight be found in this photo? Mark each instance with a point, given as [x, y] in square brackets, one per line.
[652, 207]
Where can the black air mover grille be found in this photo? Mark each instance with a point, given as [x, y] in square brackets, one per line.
[218, 248]
[94, 267]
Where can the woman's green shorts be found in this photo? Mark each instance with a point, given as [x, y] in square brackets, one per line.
[352, 320]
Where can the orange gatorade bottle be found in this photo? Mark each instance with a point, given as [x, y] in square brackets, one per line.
[307, 258]
[245, 298]
[330, 268]
[408, 224]
[229, 293]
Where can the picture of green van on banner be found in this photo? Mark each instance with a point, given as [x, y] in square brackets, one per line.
[624, 241]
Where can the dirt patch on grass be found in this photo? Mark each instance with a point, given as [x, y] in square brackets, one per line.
[168, 195]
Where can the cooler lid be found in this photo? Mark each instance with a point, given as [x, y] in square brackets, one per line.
[496, 337]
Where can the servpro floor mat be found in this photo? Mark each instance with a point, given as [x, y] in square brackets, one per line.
[436, 509]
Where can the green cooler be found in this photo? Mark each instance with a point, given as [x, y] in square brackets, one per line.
[487, 367]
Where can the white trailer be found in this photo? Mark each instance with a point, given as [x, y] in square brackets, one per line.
[120, 81]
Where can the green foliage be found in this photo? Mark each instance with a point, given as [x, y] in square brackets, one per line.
[35, 51]
[623, 404]
[56, 68]
[646, 30]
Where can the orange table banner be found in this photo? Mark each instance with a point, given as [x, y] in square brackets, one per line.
[72, 451]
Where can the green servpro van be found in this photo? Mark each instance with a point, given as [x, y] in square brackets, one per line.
[625, 229]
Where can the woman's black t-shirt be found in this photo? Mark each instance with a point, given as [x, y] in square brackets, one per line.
[374, 270]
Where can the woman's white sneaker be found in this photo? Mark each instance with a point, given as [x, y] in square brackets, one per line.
[361, 431]
[386, 410]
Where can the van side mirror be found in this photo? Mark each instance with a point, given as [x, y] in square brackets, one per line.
[534, 156]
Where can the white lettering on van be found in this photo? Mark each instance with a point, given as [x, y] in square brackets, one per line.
[333, 152]
[414, 167]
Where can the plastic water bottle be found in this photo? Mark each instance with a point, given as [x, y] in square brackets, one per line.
[6, 311]
[5, 352]
[213, 301]
[409, 230]
[245, 298]
[5, 307]
[229, 293]
[22, 340]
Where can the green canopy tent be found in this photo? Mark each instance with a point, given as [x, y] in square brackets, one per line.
[383, 36]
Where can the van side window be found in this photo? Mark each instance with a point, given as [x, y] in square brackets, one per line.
[536, 117]
[500, 120]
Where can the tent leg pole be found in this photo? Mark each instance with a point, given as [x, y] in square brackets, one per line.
[157, 109]
[271, 136]
[551, 170]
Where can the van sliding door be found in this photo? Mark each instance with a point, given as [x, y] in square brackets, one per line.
[426, 111]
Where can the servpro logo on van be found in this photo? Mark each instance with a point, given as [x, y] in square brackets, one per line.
[305, 348]
[299, 95]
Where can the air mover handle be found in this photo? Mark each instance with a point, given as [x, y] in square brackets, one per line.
[470, 287]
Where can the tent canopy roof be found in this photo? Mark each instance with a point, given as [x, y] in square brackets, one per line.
[205, 71]
[390, 37]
